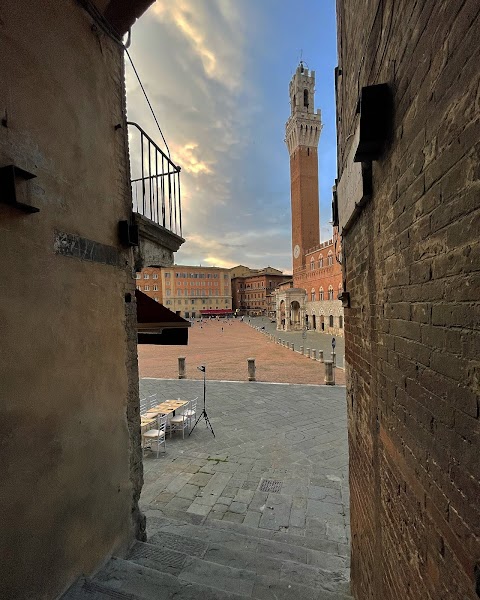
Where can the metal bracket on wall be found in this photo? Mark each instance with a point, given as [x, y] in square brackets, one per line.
[345, 299]
[128, 233]
[10, 176]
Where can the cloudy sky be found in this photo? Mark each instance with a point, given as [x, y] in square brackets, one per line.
[217, 75]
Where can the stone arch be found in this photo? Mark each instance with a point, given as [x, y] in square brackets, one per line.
[295, 313]
[320, 293]
[330, 292]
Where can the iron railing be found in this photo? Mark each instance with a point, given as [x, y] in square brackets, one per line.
[155, 181]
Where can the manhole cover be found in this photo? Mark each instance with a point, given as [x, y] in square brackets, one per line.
[270, 485]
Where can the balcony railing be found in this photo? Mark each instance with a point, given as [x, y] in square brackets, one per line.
[155, 181]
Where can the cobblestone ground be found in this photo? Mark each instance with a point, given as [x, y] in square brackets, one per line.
[293, 435]
[225, 354]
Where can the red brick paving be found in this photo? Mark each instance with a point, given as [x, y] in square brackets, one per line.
[225, 355]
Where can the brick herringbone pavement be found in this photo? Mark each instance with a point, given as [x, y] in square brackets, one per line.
[225, 353]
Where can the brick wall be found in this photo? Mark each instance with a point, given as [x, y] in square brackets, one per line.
[412, 270]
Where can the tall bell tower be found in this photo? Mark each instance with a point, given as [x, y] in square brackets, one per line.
[302, 134]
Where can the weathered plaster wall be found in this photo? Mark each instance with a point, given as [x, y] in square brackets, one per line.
[71, 473]
[412, 271]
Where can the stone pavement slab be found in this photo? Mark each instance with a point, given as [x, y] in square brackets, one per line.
[291, 437]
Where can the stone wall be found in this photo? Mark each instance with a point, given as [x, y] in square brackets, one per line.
[69, 420]
[412, 271]
[326, 308]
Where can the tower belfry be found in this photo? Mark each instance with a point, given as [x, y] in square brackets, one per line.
[302, 135]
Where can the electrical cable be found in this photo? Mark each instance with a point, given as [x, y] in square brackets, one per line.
[109, 30]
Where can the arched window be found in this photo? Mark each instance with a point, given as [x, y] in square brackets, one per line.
[320, 293]
[320, 261]
[305, 98]
[330, 258]
[330, 292]
[340, 289]
[330, 319]
[312, 264]
[313, 294]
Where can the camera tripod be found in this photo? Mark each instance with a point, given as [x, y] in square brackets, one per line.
[204, 411]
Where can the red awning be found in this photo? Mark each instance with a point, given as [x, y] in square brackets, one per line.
[158, 325]
[216, 312]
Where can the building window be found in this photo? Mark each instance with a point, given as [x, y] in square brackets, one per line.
[340, 322]
[155, 288]
[138, 276]
[305, 98]
[330, 258]
[155, 275]
[313, 295]
[187, 314]
[147, 288]
[139, 288]
[179, 292]
[330, 292]
[312, 264]
[146, 276]
[168, 292]
[168, 302]
[320, 261]
[330, 320]
[167, 275]
[156, 299]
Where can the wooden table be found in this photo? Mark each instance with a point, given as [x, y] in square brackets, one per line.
[165, 408]
[147, 423]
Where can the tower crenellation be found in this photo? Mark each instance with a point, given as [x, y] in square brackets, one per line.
[304, 125]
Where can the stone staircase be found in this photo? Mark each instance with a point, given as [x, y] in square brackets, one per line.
[220, 560]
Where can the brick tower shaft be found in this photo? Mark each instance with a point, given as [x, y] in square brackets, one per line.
[302, 135]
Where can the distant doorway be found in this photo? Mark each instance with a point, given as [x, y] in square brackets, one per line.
[322, 323]
[314, 322]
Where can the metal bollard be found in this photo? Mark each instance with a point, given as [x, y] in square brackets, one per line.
[251, 369]
[288, 345]
[292, 346]
[314, 354]
[301, 349]
[182, 370]
[329, 373]
[307, 352]
[320, 355]
[334, 359]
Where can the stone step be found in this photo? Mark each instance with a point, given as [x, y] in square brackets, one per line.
[195, 581]
[273, 561]
[319, 542]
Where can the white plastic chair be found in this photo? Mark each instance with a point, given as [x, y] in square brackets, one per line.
[152, 401]
[191, 412]
[143, 406]
[156, 435]
[180, 421]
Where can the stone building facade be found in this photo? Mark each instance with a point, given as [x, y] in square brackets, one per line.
[187, 290]
[409, 215]
[252, 291]
[69, 406]
[316, 265]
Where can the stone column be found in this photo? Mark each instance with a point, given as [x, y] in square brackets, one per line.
[307, 352]
[288, 344]
[314, 354]
[334, 359]
[251, 369]
[182, 368]
[320, 355]
[329, 373]
[301, 349]
[292, 346]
